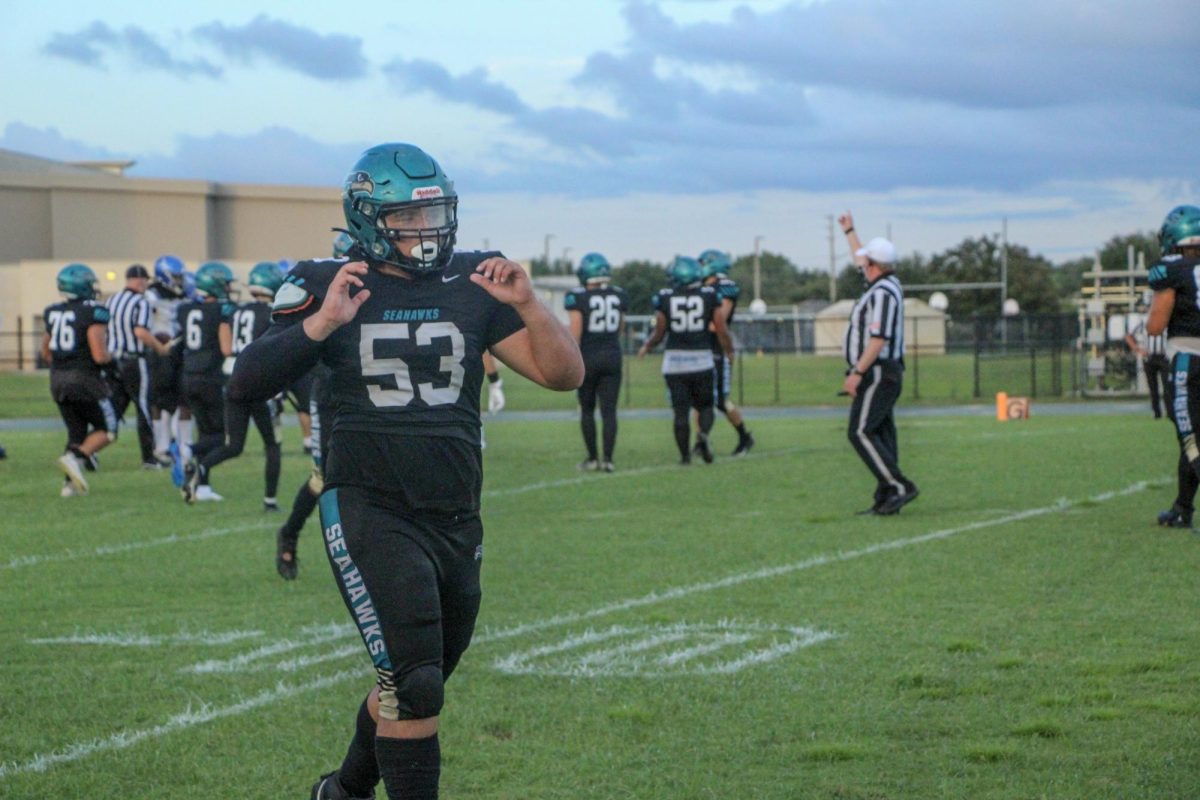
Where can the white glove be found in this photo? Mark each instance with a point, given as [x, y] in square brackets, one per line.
[496, 397]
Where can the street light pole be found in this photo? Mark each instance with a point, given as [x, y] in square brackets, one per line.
[566, 264]
[546, 254]
[757, 275]
[832, 261]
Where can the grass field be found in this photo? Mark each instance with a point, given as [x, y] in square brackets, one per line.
[766, 380]
[733, 631]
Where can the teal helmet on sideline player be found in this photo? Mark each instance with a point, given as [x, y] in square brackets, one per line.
[78, 282]
[1181, 228]
[593, 267]
[684, 271]
[715, 262]
[215, 280]
[396, 192]
[342, 244]
[265, 278]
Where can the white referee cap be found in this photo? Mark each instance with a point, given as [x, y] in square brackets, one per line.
[879, 250]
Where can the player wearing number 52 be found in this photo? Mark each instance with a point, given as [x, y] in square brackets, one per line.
[685, 312]
[402, 333]
[597, 317]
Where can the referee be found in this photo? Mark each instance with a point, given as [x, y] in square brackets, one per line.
[128, 336]
[874, 351]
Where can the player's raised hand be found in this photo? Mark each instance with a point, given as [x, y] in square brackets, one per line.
[339, 307]
[846, 221]
[504, 280]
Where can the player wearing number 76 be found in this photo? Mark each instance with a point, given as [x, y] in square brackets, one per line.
[402, 333]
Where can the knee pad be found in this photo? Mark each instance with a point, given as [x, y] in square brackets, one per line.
[316, 481]
[417, 694]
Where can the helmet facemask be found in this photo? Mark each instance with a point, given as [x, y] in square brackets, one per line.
[417, 236]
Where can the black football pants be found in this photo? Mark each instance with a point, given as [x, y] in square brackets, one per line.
[237, 425]
[872, 429]
[601, 381]
[1158, 372]
[1183, 402]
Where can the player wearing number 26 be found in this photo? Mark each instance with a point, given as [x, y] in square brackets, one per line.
[402, 333]
[597, 316]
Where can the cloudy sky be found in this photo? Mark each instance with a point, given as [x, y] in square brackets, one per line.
[645, 128]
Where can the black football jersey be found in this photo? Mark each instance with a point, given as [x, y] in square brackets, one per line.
[250, 321]
[199, 324]
[67, 324]
[602, 309]
[689, 311]
[410, 361]
[726, 290]
[1182, 275]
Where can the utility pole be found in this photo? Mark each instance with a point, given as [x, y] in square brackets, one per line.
[757, 274]
[832, 261]
[566, 264]
[1003, 264]
[546, 253]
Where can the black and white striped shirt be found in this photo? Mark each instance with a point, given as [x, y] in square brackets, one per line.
[128, 310]
[879, 312]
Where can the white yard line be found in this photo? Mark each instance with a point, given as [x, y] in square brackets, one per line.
[128, 547]
[191, 718]
[147, 640]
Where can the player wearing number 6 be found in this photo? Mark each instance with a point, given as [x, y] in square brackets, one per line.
[402, 333]
[685, 313]
[597, 316]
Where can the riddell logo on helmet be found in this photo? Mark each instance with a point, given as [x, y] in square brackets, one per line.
[426, 192]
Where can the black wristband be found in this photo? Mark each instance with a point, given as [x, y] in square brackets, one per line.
[493, 376]
[849, 230]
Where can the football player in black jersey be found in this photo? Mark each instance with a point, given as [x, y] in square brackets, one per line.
[684, 314]
[597, 316]
[402, 333]
[75, 345]
[207, 331]
[716, 266]
[1175, 310]
[250, 320]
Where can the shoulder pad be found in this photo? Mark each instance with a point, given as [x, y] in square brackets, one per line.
[305, 284]
[228, 308]
[100, 314]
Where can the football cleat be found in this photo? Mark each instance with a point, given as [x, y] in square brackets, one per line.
[705, 451]
[70, 467]
[588, 465]
[329, 788]
[205, 493]
[893, 504]
[270, 504]
[607, 466]
[286, 562]
[68, 490]
[1175, 518]
[151, 465]
[744, 445]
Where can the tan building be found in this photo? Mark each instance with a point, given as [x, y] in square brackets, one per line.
[53, 213]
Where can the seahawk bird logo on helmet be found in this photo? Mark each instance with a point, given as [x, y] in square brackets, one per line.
[401, 208]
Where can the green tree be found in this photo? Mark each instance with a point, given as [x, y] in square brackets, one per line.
[781, 282]
[641, 280]
[1115, 252]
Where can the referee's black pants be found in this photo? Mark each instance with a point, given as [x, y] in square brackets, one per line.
[131, 383]
[872, 429]
[1158, 373]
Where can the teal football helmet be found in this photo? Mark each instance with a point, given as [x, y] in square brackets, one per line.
[684, 271]
[593, 267]
[1181, 228]
[214, 279]
[396, 195]
[265, 278]
[342, 244]
[715, 262]
[78, 282]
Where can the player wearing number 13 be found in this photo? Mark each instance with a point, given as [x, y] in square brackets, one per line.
[597, 316]
[402, 333]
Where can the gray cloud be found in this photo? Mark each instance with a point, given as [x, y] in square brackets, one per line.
[473, 88]
[88, 47]
[325, 57]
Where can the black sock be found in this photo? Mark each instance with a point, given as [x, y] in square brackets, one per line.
[682, 432]
[410, 767]
[302, 508]
[741, 429]
[360, 770]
